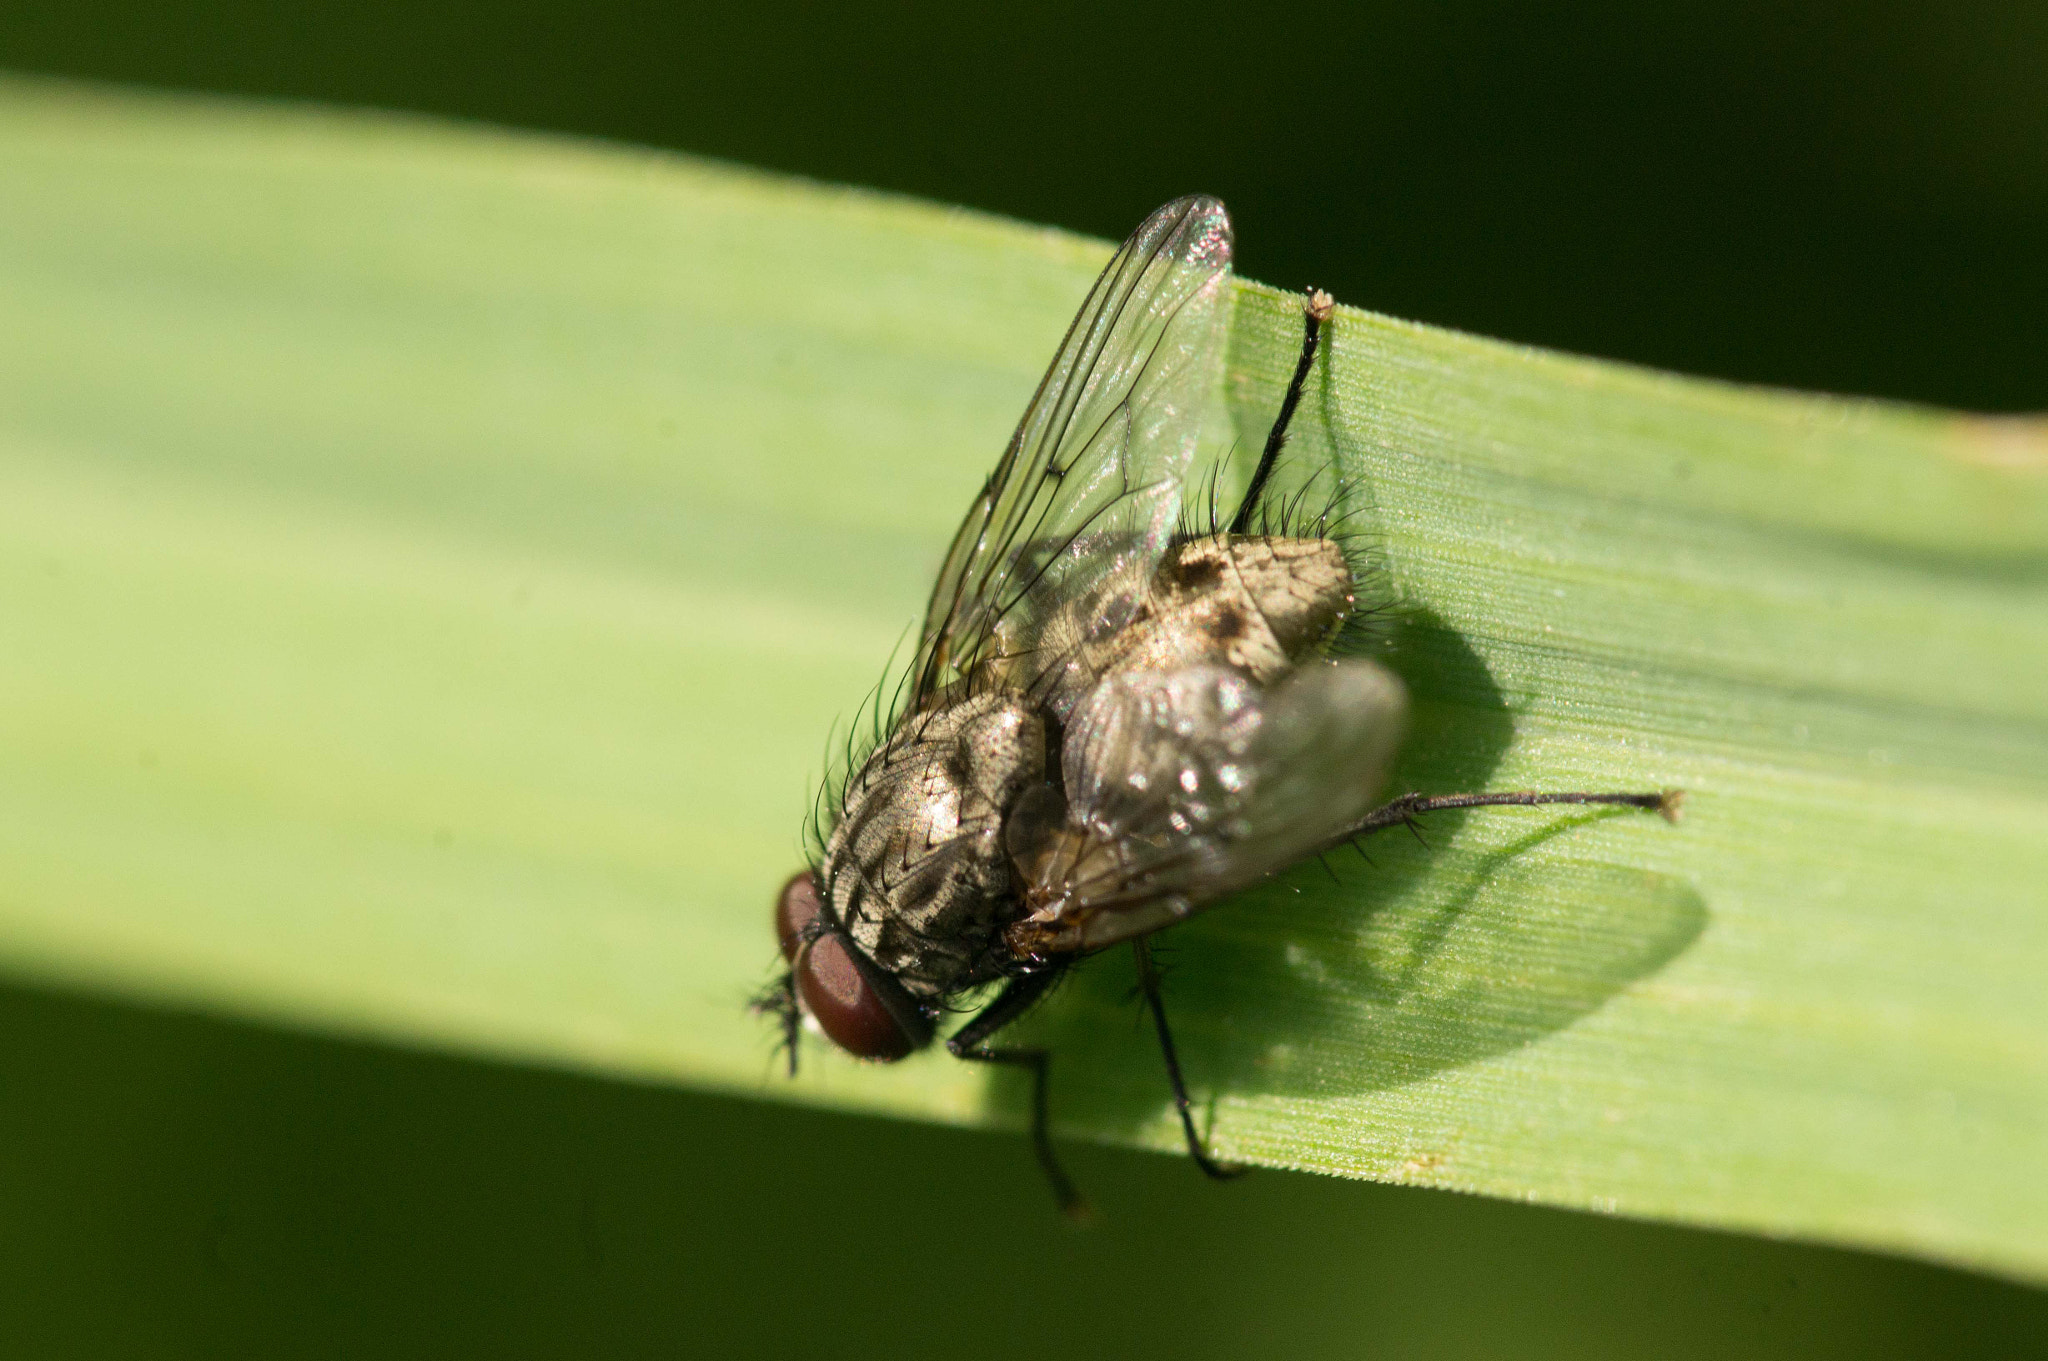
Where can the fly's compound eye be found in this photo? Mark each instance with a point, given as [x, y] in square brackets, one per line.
[795, 908]
[848, 1010]
[832, 987]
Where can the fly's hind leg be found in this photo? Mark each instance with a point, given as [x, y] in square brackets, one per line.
[1315, 311]
[1148, 982]
[1402, 812]
[969, 1042]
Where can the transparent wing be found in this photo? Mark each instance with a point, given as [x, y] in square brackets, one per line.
[1183, 787]
[1088, 491]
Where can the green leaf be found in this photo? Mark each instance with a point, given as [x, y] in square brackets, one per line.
[436, 558]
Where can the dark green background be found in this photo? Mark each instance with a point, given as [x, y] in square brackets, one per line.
[184, 1187]
[1848, 197]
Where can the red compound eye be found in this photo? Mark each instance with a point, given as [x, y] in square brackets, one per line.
[847, 1009]
[834, 991]
[794, 908]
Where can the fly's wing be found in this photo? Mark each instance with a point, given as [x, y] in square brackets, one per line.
[1089, 488]
[1186, 786]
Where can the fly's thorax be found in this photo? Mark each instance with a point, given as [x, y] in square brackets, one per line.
[916, 866]
[1258, 605]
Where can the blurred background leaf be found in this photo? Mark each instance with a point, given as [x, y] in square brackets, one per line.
[1842, 195]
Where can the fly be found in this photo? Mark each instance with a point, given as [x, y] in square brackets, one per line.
[1123, 707]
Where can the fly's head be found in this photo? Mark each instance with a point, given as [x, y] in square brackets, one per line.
[909, 900]
[860, 1009]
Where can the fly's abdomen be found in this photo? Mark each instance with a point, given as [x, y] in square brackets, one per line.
[1257, 605]
[1264, 602]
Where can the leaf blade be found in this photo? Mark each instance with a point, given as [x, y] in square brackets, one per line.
[438, 554]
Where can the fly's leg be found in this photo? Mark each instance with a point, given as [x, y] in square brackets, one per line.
[1403, 811]
[968, 1043]
[1315, 312]
[779, 1001]
[1148, 981]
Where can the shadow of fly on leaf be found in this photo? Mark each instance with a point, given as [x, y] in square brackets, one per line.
[1133, 696]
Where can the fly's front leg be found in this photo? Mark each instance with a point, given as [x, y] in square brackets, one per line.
[1148, 981]
[1403, 811]
[779, 1001]
[970, 1043]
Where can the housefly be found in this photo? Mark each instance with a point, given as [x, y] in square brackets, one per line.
[1124, 704]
